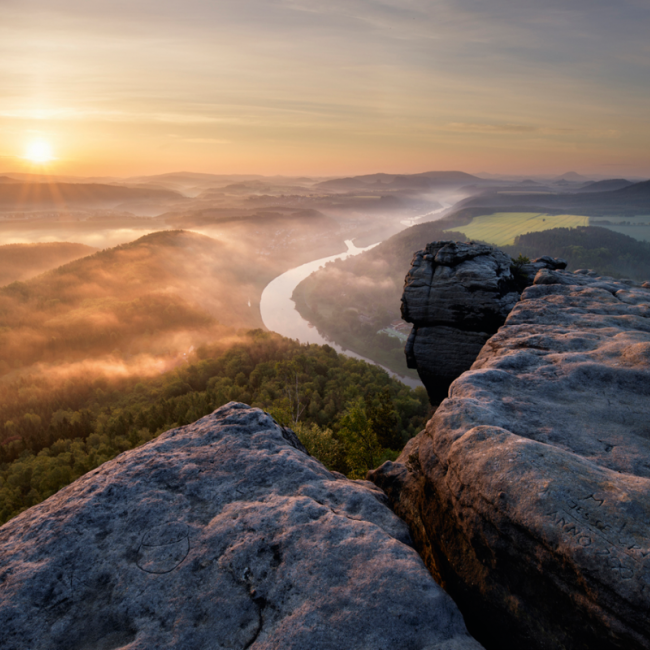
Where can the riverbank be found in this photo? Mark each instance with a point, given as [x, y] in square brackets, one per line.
[279, 312]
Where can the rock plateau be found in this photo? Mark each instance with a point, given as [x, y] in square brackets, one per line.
[221, 534]
[528, 494]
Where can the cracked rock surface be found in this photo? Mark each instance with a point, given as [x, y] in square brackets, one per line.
[220, 534]
[457, 294]
[528, 493]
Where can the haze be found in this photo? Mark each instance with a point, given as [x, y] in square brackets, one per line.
[303, 87]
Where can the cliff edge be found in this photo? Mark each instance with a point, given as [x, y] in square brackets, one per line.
[528, 494]
[457, 295]
[221, 534]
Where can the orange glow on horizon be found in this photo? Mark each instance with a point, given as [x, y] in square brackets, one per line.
[39, 152]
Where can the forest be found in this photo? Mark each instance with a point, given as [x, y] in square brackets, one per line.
[153, 298]
[349, 414]
[23, 261]
[588, 247]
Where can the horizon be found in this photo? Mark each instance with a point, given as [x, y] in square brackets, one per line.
[45, 176]
[294, 89]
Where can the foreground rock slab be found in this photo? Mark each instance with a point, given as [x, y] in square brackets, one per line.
[528, 493]
[221, 534]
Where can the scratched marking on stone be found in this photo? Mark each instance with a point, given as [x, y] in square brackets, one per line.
[585, 525]
[585, 533]
[585, 538]
[163, 548]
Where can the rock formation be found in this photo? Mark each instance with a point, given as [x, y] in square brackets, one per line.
[528, 494]
[457, 295]
[221, 534]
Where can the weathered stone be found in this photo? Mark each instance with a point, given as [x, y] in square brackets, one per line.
[447, 352]
[221, 534]
[545, 262]
[528, 494]
[456, 295]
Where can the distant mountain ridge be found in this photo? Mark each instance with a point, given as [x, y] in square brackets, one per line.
[638, 189]
[21, 195]
[572, 177]
[631, 200]
[606, 185]
[421, 181]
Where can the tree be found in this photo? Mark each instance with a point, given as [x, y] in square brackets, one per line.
[383, 419]
[359, 439]
[291, 373]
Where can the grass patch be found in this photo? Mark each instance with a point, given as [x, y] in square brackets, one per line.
[501, 228]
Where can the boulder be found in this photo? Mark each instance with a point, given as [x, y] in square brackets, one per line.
[456, 295]
[220, 534]
[530, 269]
[528, 494]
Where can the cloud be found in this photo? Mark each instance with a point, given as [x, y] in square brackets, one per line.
[460, 127]
[332, 76]
[206, 140]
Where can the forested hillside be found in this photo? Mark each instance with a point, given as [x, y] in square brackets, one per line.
[588, 247]
[155, 297]
[349, 414]
[23, 261]
[352, 300]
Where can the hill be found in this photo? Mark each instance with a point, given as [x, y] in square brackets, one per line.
[632, 200]
[400, 182]
[606, 186]
[356, 302]
[588, 247]
[573, 177]
[23, 261]
[25, 195]
[156, 296]
[641, 189]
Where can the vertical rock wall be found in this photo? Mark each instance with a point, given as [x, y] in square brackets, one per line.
[528, 494]
[457, 295]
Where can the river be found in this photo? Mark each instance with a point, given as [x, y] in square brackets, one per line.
[279, 312]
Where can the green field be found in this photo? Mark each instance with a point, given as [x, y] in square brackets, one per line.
[501, 228]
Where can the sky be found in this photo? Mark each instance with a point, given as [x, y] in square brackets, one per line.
[322, 88]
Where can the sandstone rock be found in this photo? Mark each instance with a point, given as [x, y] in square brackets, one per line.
[528, 494]
[546, 262]
[221, 534]
[456, 295]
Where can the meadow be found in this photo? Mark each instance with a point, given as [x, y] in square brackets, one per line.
[501, 228]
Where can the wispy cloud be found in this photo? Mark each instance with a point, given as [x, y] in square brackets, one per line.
[460, 127]
[333, 76]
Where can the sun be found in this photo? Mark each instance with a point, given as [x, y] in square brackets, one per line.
[39, 151]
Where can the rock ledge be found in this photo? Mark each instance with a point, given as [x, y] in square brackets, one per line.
[221, 534]
[528, 494]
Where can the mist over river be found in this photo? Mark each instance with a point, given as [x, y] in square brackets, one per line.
[279, 312]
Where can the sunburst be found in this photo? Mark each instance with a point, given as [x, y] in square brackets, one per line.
[39, 152]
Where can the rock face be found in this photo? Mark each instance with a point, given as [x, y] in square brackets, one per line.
[457, 295]
[528, 494]
[221, 534]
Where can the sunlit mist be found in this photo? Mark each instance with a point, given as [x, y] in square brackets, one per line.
[39, 152]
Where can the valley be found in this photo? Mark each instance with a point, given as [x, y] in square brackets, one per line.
[93, 333]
